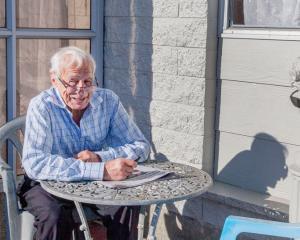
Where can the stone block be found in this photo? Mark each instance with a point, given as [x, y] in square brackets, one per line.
[160, 31]
[164, 87]
[117, 8]
[193, 8]
[171, 116]
[142, 8]
[191, 32]
[164, 31]
[174, 146]
[166, 8]
[129, 29]
[177, 117]
[178, 89]
[138, 108]
[191, 62]
[161, 59]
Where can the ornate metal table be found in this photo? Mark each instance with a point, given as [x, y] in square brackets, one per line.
[185, 182]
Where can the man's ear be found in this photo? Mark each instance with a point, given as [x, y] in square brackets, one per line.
[53, 78]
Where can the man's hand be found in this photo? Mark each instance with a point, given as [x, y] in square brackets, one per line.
[87, 156]
[118, 169]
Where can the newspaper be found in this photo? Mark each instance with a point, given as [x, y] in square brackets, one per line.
[141, 174]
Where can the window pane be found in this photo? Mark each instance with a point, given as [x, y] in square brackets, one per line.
[2, 82]
[53, 14]
[3, 90]
[2, 13]
[33, 57]
[265, 13]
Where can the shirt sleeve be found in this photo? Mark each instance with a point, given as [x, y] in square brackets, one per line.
[39, 163]
[124, 139]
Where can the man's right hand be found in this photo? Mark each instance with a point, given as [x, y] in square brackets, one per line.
[118, 169]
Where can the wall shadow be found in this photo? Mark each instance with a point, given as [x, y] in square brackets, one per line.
[128, 60]
[257, 169]
[128, 67]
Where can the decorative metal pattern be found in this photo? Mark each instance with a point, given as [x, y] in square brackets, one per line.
[183, 183]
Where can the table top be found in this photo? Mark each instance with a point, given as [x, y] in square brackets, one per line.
[186, 182]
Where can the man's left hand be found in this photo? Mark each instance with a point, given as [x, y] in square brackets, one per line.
[87, 156]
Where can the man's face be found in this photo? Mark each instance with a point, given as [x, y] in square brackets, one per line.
[72, 86]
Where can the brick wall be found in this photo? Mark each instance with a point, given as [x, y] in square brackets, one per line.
[156, 61]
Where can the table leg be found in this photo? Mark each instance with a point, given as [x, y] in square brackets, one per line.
[84, 225]
[141, 223]
[154, 221]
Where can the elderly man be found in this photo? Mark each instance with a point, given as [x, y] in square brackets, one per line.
[74, 131]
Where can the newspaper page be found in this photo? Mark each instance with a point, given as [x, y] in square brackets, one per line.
[141, 174]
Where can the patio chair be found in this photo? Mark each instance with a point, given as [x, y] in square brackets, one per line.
[20, 222]
[234, 225]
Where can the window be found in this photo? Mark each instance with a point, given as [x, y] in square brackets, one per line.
[2, 89]
[2, 13]
[30, 32]
[265, 13]
[33, 66]
[68, 14]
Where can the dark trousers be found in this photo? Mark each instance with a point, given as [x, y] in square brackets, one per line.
[56, 218]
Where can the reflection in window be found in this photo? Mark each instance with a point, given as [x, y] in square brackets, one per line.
[2, 13]
[33, 57]
[53, 14]
[266, 13]
[3, 89]
[2, 81]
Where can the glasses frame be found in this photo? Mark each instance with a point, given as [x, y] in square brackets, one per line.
[75, 88]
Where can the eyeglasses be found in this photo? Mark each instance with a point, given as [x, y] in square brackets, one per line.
[72, 87]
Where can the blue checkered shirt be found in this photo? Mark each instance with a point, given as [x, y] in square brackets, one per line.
[52, 138]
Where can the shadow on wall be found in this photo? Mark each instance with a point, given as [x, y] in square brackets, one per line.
[258, 168]
[128, 61]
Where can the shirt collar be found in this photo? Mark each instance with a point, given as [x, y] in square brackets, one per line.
[55, 98]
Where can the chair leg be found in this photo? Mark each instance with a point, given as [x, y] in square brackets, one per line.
[73, 235]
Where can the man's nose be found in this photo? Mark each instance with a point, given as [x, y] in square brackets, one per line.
[80, 84]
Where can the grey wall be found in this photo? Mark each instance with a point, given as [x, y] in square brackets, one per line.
[258, 137]
[160, 60]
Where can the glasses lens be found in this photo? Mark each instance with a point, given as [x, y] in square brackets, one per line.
[71, 89]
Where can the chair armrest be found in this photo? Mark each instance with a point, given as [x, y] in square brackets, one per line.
[234, 225]
[4, 166]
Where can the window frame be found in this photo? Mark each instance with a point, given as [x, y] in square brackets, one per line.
[11, 33]
[244, 32]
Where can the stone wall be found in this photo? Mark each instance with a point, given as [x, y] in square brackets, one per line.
[156, 61]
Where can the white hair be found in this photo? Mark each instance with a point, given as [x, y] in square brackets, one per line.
[71, 56]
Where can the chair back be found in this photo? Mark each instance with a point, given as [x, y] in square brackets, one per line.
[9, 133]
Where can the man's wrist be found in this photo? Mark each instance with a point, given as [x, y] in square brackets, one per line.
[98, 157]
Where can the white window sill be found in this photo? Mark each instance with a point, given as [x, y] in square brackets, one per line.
[268, 34]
